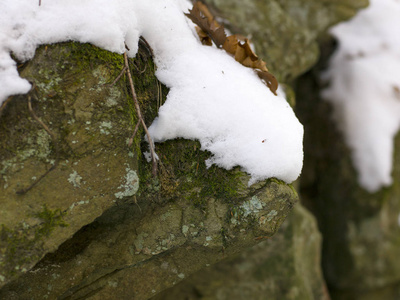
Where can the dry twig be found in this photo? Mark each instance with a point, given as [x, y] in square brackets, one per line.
[54, 140]
[140, 117]
[134, 133]
[118, 77]
[3, 106]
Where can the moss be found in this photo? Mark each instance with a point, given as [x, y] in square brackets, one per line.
[22, 246]
[90, 56]
[183, 173]
[50, 220]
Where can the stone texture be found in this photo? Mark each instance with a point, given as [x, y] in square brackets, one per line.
[90, 122]
[285, 32]
[140, 240]
[361, 230]
[99, 226]
[286, 266]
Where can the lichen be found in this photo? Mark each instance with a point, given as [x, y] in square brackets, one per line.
[131, 185]
[252, 206]
[105, 127]
[75, 179]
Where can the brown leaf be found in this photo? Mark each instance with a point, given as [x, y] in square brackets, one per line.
[201, 16]
[219, 36]
[197, 18]
[246, 56]
[204, 9]
[204, 38]
[209, 29]
[230, 45]
[396, 91]
[269, 79]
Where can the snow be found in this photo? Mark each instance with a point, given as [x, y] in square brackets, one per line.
[364, 89]
[212, 98]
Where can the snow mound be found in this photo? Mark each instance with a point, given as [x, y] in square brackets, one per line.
[212, 97]
[364, 89]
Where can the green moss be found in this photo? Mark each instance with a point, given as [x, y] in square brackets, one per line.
[50, 220]
[22, 246]
[91, 56]
[183, 173]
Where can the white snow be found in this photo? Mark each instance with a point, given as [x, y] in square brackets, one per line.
[364, 89]
[212, 98]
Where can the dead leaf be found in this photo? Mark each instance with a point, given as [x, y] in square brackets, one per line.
[204, 38]
[269, 79]
[231, 44]
[219, 36]
[209, 29]
[396, 91]
[201, 16]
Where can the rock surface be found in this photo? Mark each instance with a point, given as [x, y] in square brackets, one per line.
[173, 225]
[286, 266]
[361, 230]
[100, 226]
[285, 32]
[89, 122]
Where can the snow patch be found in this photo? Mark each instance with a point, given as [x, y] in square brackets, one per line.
[212, 97]
[364, 89]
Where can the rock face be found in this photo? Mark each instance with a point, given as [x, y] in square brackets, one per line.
[285, 32]
[89, 122]
[361, 230]
[286, 266]
[100, 216]
[98, 225]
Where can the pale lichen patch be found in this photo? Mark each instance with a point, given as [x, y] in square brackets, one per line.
[252, 206]
[75, 179]
[271, 215]
[131, 185]
[185, 229]
[112, 100]
[105, 127]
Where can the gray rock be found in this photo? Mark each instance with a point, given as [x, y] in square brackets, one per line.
[285, 32]
[286, 266]
[361, 230]
[143, 233]
[99, 225]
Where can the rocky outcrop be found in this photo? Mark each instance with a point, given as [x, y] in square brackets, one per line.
[285, 32]
[100, 216]
[361, 230]
[286, 266]
[98, 225]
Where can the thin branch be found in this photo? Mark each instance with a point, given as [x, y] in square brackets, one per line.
[134, 133]
[3, 106]
[53, 137]
[118, 77]
[147, 45]
[140, 117]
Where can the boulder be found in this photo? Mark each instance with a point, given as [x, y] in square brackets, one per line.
[286, 266]
[99, 223]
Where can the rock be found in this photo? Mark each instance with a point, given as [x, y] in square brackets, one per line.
[98, 225]
[285, 32]
[109, 228]
[361, 230]
[283, 267]
[90, 122]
